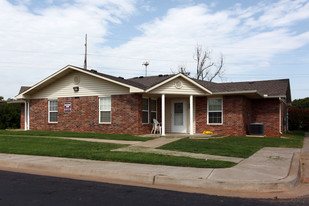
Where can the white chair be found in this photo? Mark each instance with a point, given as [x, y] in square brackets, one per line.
[156, 128]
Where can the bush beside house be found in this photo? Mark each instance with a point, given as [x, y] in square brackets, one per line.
[9, 114]
[299, 114]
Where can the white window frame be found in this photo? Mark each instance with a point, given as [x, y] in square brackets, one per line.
[145, 110]
[208, 99]
[102, 110]
[49, 111]
[156, 117]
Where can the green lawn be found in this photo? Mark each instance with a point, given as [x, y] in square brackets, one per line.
[76, 134]
[234, 146]
[96, 151]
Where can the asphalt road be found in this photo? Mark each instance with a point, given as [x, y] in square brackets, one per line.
[24, 189]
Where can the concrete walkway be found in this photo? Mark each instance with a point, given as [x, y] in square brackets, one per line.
[138, 149]
[268, 170]
[149, 147]
[158, 142]
[86, 139]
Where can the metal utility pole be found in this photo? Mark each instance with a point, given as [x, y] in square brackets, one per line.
[146, 65]
[85, 61]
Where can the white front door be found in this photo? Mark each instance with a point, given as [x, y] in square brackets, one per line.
[179, 117]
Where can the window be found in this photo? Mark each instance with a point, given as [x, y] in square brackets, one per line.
[53, 111]
[215, 111]
[153, 114]
[145, 111]
[105, 110]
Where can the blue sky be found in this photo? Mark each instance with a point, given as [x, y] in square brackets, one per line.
[259, 40]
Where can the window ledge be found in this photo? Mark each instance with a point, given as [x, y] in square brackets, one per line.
[214, 123]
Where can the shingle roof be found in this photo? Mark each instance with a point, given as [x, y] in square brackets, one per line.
[23, 89]
[118, 79]
[270, 88]
[150, 81]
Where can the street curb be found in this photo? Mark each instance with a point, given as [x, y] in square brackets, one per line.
[41, 165]
[290, 181]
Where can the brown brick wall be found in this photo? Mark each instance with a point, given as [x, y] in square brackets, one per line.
[84, 117]
[266, 111]
[238, 113]
[234, 116]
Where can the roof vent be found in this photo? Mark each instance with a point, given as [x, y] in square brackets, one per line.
[251, 82]
[120, 77]
[160, 75]
[92, 70]
[165, 75]
[141, 77]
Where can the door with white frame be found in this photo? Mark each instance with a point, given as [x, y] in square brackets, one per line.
[179, 116]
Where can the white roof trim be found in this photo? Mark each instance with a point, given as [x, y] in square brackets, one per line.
[21, 95]
[176, 76]
[249, 92]
[237, 92]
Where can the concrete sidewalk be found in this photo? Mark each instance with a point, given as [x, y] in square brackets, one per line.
[270, 169]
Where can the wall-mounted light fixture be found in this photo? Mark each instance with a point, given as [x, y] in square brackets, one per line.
[76, 89]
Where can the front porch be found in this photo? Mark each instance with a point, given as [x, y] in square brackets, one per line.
[176, 114]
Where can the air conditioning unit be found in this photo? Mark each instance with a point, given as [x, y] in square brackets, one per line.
[256, 129]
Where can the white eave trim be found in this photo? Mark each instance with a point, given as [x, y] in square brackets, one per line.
[19, 101]
[176, 76]
[238, 92]
[250, 92]
[132, 88]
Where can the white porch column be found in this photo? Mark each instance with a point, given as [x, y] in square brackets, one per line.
[28, 116]
[163, 113]
[25, 115]
[191, 114]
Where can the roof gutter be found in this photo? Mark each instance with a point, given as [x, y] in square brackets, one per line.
[239, 92]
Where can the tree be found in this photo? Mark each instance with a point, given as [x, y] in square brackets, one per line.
[183, 70]
[9, 114]
[301, 103]
[299, 114]
[206, 67]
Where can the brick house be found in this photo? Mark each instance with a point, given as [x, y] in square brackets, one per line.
[75, 99]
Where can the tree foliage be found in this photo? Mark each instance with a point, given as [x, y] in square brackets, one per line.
[299, 114]
[301, 103]
[9, 114]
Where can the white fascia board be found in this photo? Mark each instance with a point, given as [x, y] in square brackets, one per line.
[238, 92]
[176, 76]
[136, 90]
[23, 95]
[271, 97]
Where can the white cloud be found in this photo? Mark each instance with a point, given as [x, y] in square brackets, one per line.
[249, 36]
[37, 43]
